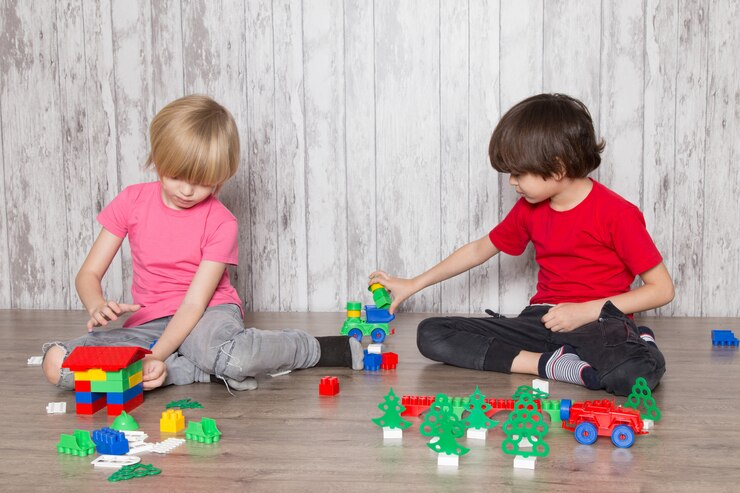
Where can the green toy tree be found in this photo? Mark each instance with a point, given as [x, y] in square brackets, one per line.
[440, 421]
[392, 408]
[478, 407]
[525, 422]
[532, 392]
[641, 394]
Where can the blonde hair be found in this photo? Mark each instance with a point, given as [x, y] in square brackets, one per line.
[194, 139]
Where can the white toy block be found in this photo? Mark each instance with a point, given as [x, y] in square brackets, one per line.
[56, 408]
[524, 462]
[375, 349]
[140, 448]
[115, 461]
[35, 360]
[477, 433]
[167, 446]
[541, 385]
[135, 435]
[647, 424]
[525, 443]
[392, 433]
[447, 460]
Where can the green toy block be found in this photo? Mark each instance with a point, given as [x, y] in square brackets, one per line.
[204, 432]
[125, 422]
[106, 386]
[126, 373]
[551, 407]
[380, 296]
[78, 444]
[187, 403]
[133, 471]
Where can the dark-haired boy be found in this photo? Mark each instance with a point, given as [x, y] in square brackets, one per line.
[590, 243]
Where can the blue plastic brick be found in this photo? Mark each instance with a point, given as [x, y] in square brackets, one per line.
[88, 397]
[724, 338]
[375, 315]
[110, 442]
[372, 361]
[127, 395]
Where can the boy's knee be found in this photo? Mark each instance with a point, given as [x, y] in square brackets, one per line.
[622, 378]
[425, 337]
[52, 364]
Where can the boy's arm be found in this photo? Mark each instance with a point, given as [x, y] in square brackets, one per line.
[463, 259]
[90, 276]
[656, 291]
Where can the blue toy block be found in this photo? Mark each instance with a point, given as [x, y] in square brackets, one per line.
[724, 338]
[125, 396]
[372, 361]
[110, 442]
[375, 315]
[88, 397]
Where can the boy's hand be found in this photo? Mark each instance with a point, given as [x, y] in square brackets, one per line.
[107, 311]
[400, 288]
[568, 316]
[153, 372]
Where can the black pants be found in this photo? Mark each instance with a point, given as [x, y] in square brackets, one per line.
[611, 344]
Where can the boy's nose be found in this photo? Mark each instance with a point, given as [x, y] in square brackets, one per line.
[187, 190]
[512, 180]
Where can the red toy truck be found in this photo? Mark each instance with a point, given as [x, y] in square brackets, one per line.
[591, 419]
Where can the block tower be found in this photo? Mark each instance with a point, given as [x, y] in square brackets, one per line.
[107, 377]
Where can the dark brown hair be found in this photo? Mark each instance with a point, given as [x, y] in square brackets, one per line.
[545, 135]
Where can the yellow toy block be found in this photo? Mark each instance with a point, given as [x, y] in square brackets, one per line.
[93, 375]
[172, 421]
[134, 379]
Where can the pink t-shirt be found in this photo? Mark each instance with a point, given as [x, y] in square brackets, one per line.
[168, 245]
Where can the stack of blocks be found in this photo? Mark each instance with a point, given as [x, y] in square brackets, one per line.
[107, 377]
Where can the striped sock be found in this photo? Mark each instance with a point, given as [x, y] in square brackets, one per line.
[564, 365]
[647, 335]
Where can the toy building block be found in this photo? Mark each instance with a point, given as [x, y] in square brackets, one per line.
[134, 471]
[541, 385]
[389, 361]
[375, 348]
[77, 444]
[167, 445]
[724, 338]
[524, 462]
[204, 432]
[115, 461]
[172, 421]
[380, 295]
[329, 386]
[642, 395]
[125, 422]
[35, 360]
[391, 421]
[477, 422]
[448, 460]
[372, 362]
[110, 442]
[56, 408]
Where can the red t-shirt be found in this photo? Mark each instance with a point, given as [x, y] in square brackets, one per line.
[167, 247]
[590, 252]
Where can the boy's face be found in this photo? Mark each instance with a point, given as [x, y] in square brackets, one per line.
[534, 188]
[180, 195]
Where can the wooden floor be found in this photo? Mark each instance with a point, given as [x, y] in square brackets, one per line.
[284, 437]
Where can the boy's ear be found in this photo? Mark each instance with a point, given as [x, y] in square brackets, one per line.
[560, 173]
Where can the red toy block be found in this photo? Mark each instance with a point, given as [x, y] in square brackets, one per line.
[116, 409]
[416, 404]
[329, 386]
[83, 386]
[107, 358]
[96, 406]
[390, 361]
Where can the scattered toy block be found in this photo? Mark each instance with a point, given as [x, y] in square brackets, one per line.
[35, 360]
[724, 338]
[389, 361]
[172, 421]
[375, 348]
[541, 385]
[125, 422]
[524, 462]
[78, 443]
[115, 461]
[329, 386]
[447, 460]
[372, 362]
[167, 445]
[110, 442]
[134, 471]
[56, 408]
[204, 431]
[477, 433]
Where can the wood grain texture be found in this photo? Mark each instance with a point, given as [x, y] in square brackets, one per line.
[364, 129]
[284, 437]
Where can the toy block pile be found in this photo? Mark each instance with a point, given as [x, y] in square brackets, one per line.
[107, 377]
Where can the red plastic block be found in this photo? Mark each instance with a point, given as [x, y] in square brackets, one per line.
[390, 361]
[329, 386]
[83, 386]
[116, 409]
[415, 404]
[107, 358]
[90, 408]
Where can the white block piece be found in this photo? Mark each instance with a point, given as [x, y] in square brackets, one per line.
[115, 461]
[477, 433]
[139, 448]
[167, 446]
[647, 424]
[447, 460]
[374, 349]
[541, 385]
[56, 408]
[35, 360]
[524, 462]
[280, 373]
[525, 443]
[135, 436]
[389, 432]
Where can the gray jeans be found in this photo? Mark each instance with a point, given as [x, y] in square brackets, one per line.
[218, 345]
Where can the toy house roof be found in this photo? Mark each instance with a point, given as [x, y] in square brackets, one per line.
[103, 357]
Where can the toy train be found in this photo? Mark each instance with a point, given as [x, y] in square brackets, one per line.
[377, 317]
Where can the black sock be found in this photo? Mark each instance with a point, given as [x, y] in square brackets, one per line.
[647, 335]
[335, 351]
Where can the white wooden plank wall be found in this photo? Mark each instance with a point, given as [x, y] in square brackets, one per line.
[364, 128]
